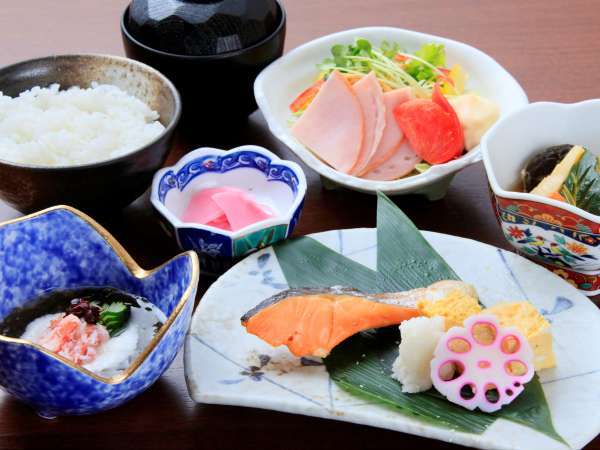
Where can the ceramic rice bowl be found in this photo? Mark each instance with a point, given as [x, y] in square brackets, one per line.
[63, 248]
[271, 180]
[564, 238]
[99, 186]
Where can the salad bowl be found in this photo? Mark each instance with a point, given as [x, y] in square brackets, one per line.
[278, 85]
[62, 248]
[279, 184]
[561, 236]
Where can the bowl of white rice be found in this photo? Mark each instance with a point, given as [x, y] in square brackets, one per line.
[83, 130]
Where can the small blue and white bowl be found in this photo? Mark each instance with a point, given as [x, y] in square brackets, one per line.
[279, 184]
[61, 248]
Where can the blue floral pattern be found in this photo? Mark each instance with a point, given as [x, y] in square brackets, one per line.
[225, 163]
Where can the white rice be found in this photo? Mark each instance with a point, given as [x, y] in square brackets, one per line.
[419, 337]
[49, 127]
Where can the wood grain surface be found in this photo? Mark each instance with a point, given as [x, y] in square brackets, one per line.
[551, 47]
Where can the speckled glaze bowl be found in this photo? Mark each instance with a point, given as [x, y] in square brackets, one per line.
[560, 236]
[101, 186]
[273, 181]
[62, 248]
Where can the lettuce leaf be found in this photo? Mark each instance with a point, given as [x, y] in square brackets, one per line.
[434, 54]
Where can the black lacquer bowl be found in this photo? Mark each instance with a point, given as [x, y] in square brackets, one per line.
[99, 186]
[216, 89]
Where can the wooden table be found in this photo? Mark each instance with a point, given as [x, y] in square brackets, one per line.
[551, 47]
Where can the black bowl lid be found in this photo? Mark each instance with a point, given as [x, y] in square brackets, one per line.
[202, 27]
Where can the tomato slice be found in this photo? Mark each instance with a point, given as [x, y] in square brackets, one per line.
[432, 128]
[441, 100]
[306, 96]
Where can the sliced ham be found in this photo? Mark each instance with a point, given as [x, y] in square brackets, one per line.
[332, 126]
[369, 94]
[392, 134]
[401, 163]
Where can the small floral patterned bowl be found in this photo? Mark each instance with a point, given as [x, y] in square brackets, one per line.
[61, 248]
[277, 183]
[560, 236]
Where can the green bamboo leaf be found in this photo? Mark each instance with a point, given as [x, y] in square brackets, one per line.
[531, 409]
[405, 260]
[308, 263]
[362, 364]
[582, 186]
[397, 236]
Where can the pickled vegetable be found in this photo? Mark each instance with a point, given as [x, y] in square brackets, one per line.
[542, 164]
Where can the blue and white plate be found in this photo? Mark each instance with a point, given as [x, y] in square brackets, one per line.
[225, 365]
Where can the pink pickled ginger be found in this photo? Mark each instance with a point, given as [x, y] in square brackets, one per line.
[240, 209]
[202, 208]
[227, 208]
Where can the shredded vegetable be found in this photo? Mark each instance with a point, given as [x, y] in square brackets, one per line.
[393, 67]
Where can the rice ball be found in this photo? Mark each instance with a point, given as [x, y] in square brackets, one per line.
[419, 337]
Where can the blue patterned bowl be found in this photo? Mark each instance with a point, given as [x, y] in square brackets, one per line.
[63, 248]
[278, 183]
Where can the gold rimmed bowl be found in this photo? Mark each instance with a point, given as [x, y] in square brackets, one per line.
[62, 248]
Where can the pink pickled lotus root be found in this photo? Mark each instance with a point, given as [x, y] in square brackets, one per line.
[470, 362]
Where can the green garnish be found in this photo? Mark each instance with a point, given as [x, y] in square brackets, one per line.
[430, 57]
[391, 66]
[114, 317]
[422, 167]
[582, 186]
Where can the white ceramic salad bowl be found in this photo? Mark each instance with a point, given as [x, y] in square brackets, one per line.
[278, 85]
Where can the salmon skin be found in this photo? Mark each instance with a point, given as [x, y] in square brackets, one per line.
[312, 321]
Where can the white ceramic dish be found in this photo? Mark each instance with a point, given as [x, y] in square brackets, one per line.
[279, 184]
[278, 85]
[219, 353]
[506, 148]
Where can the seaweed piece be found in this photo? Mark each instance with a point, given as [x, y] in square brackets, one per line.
[542, 164]
[157, 326]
